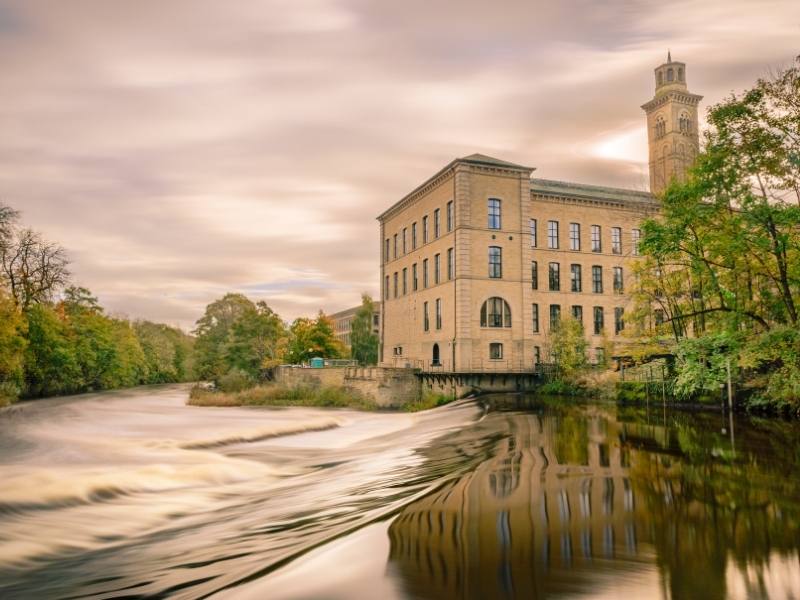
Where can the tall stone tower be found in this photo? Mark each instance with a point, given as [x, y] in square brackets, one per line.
[672, 125]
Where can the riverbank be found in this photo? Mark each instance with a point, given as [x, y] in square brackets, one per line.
[272, 394]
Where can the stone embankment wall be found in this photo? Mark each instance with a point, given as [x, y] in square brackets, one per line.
[388, 387]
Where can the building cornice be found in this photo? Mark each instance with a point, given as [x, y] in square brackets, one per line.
[674, 95]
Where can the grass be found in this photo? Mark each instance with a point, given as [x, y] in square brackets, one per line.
[279, 395]
[428, 400]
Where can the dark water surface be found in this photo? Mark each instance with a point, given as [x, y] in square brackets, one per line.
[134, 495]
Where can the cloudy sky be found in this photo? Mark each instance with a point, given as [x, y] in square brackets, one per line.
[180, 149]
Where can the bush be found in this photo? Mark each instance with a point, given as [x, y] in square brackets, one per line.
[429, 399]
[9, 393]
[279, 395]
[560, 387]
[235, 380]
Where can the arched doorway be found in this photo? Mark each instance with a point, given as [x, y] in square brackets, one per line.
[435, 357]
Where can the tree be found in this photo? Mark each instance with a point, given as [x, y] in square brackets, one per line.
[12, 347]
[51, 365]
[309, 338]
[236, 333]
[568, 346]
[33, 268]
[722, 260]
[167, 351]
[363, 341]
[214, 334]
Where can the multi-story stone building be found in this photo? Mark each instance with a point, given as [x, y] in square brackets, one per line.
[481, 261]
[343, 323]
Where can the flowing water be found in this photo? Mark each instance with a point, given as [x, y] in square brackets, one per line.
[133, 494]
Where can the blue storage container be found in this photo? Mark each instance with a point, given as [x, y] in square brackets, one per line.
[317, 363]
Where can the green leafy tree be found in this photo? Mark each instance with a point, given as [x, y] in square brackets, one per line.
[214, 333]
[12, 347]
[722, 260]
[309, 338]
[568, 346]
[51, 364]
[363, 340]
[167, 351]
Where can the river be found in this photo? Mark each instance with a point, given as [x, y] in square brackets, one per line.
[133, 494]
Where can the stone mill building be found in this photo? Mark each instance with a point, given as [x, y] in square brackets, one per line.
[480, 261]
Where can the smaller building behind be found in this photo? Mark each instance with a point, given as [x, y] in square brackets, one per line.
[343, 323]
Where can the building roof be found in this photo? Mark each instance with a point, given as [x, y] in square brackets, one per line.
[482, 159]
[551, 187]
[472, 159]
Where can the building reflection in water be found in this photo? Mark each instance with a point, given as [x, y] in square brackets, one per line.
[576, 498]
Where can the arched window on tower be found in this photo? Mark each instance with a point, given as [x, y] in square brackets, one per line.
[495, 312]
[670, 75]
[680, 73]
[661, 127]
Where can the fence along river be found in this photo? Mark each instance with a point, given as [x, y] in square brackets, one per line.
[133, 494]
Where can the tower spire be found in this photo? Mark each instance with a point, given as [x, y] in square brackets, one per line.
[669, 56]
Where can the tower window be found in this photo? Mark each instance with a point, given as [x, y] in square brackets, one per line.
[661, 127]
[670, 75]
[680, 74]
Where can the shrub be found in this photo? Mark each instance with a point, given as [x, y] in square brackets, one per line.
[9, 393]
[235, 380]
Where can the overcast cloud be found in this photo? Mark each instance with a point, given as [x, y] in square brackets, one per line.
[180, 149]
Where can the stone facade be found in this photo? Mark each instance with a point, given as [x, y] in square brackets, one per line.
[479, 261]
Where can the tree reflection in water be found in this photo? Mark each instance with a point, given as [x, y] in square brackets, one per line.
[578, 498]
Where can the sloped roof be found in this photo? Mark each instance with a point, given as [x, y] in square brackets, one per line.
[482, 159]
[583, 190]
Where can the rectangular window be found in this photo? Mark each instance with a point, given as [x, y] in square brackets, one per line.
[636, 235]
[386, 288]
[577, 313]
[537, 355]
[616, 240]
[495, 221]
[414, 281]
[618, 285]
[437, 272]
[576, 279]
[426, 324]
[495, 351]
[405, 281]
[534, 275]
[414, 235]
[597, 245]
[450, 265]
[535, 317]
[405, 247]
[395, 245]
[619, 321]
[574, 236]
[436, 223]
[554, 276]
[598, 320]
[533, 233]
[495, 262]
[597, 279]
[425, 273]
[387, 256]
[552, 234]
[438, 313]
[555, 316]
[425, 229]
[450, 216]
[395, 284]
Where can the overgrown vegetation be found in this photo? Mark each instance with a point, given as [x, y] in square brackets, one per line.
[721, 274]
[272, 394]
[429, 399]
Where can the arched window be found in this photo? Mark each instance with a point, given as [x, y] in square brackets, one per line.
[680, 73]
[661, 127]
[670, 75]
[685, 123]
[495, 312]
